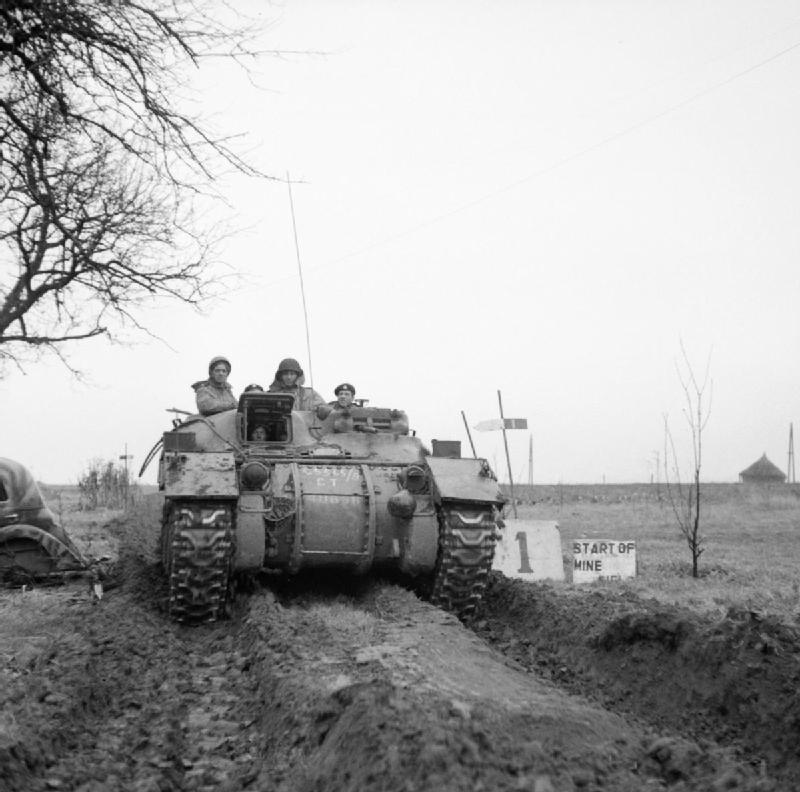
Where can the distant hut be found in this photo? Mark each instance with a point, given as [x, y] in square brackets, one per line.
[762, 472]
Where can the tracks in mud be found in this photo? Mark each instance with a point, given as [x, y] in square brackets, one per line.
[131, 702]
[372, 690]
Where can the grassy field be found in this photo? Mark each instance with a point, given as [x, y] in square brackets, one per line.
[87, 528]
[752, 547]
[752, 552]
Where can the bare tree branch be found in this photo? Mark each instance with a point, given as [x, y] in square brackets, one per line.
[100, 165]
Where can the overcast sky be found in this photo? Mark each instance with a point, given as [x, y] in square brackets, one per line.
[541, 198]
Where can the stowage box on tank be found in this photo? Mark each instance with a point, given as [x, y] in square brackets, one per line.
[354, 491]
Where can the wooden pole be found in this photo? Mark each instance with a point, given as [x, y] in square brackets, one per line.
[530, 461]
[508, 457]
[469, 435]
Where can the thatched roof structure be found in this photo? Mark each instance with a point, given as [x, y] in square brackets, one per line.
[762, 471]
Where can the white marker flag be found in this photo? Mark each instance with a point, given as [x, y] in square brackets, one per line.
[497, 423]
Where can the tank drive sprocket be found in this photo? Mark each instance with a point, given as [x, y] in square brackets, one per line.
[197, 551]
[467, 537]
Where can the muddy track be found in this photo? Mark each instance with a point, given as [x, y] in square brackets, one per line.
[734, 678]
[338, 690]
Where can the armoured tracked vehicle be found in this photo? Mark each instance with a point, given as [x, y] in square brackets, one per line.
[33, 546]
[354, 491]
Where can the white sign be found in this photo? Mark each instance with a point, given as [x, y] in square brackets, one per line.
[604, 559]
[530, 550]
[499, 423]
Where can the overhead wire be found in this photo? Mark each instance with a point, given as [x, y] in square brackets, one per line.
[560, 163]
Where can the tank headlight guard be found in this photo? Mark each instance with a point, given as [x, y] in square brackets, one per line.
[416, 479]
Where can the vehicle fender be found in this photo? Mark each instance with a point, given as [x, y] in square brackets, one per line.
[464, 479]
[198, 474]
[63, 556]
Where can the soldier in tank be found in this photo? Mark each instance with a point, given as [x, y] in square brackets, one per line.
[289, 378]
[342, 422]
[344, 394]
[259, 434]
[214, 395]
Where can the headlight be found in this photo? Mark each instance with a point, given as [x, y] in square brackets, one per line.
[254, 476]
[416, 479]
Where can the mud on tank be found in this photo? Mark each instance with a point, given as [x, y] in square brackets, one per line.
[353, 491]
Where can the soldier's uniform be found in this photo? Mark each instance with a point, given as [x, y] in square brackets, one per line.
[212, 397]
[304, 398]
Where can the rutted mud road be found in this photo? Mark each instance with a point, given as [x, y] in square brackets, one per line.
[365, 689]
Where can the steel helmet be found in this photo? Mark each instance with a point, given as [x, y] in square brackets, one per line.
[219, 359]
[289, 364]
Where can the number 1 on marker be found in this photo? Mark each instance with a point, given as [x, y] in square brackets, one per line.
[523, 552]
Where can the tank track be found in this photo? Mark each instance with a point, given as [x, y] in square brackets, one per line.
[197, 552]
[467, 537]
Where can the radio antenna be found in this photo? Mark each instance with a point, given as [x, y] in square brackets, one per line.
[302, 285]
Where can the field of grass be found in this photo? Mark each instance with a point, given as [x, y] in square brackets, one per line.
[752, 541]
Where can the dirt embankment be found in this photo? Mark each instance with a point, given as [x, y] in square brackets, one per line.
[369, 689]
[735, 679]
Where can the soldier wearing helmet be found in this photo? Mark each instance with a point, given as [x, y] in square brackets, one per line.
[289, 378]
[214, 395]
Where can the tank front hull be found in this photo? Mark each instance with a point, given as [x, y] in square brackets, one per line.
[334, 515]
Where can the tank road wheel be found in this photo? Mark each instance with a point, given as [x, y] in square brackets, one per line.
[467, 536]
[197, 542]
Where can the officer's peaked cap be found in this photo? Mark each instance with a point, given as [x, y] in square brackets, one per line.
[344, 386]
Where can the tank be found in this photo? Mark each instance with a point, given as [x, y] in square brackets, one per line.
[352, 491]
[33, 546]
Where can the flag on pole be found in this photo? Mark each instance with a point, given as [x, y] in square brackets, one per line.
[498, 423]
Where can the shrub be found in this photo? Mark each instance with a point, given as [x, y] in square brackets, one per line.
[105, 484]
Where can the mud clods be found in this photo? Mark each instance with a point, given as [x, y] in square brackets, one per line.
[732, 679]
[662, 628]
[368, 689]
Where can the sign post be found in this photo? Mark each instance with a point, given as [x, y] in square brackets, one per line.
[530, 550]
[501, 423]
[469, 435]
[603, 559]
[125, 457]
[508, 458]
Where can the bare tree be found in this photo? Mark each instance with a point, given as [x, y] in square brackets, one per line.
[99, 165]
[684, 499]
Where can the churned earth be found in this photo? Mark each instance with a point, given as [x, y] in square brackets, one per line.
[734, 679]
[361, 686]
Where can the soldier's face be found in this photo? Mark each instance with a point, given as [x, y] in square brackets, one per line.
[219, 373]
[259, 433]
[289, 378]
[345, 398]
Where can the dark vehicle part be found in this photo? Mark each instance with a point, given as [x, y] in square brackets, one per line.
[33, 546]
[352, 491]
